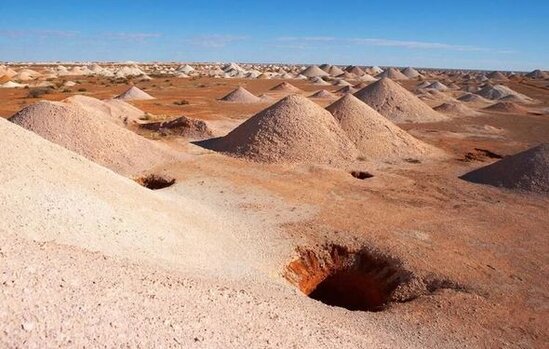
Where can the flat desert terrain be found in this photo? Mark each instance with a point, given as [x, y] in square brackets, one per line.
[241, 205]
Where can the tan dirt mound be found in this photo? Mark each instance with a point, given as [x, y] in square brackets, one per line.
[313, 71]
[134, 94]
[507, 107]
[335, 70]
[323, 94]
[456, 108]
[118, 111]
[472, 98]
[285, 87]
[498, 76]
[181, 126]
[294, 129]
[500, 91]
[93, 136]
[525, 171]
[396, 103]
[375, 137]
[241, 95]
[317, 80]
[70, 200]
[355, 70]
[393, 74]
[538, 74]
[346, 90]
[411, 73]
[438, 86]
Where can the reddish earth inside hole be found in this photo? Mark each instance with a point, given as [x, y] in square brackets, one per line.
[359, 280]
[155, 182]
[361, 174]
[351, 290]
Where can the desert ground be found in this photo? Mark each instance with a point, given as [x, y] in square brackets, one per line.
[408, 210]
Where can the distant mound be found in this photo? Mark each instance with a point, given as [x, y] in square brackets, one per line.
[313, 71]
[181, 126]
[93, 136]
[335, 70]
[241, 95]
[347, 89]
[507, 107]
[393, 74]
[286, 87]
[498, 76]
[438, 86]
[133, 94]
[526, 171]
[292, 130]
[396, 103]
[457, 109]
[375, 137]
[500, 91]
[353, 69]
[538, 74]
[472, 98]
[411, 73]
[323, 94]
[317, 80]
[423, 84]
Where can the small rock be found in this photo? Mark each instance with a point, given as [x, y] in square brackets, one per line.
[27, 326]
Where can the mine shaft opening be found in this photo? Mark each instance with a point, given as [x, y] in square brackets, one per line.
[361, 174]
[357, 281]
[155, 182]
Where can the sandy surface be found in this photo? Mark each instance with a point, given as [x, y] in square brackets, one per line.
[90, 258]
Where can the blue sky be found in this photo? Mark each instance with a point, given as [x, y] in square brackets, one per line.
[482, 34]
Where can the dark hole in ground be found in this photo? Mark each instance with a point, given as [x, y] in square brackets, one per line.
[361, 174]
[361, 280]
[412, 161]
[155, 182]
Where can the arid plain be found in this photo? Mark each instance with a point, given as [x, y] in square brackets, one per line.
[273, 216]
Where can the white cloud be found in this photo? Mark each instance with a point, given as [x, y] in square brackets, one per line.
[215, 40]
[306, 38]
[410, 44]
[136, 37]
[40, 33]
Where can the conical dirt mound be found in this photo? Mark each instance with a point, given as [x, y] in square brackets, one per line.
[527, 171]
[375, 137]
[292, 130]
[323, 94]
[93, 136]
[133, 94]
[498, 76]
[396, 103]
[456, 108]
[507, 107]
[346, 90]
[241, 95]
[500, 91]
[355, 70]
[116, 110]
[335, 70]
[411, 73]
[473, 98]
[52, 194]
[313, 71]
[393, 74]
[285, 87]
[537, 74]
